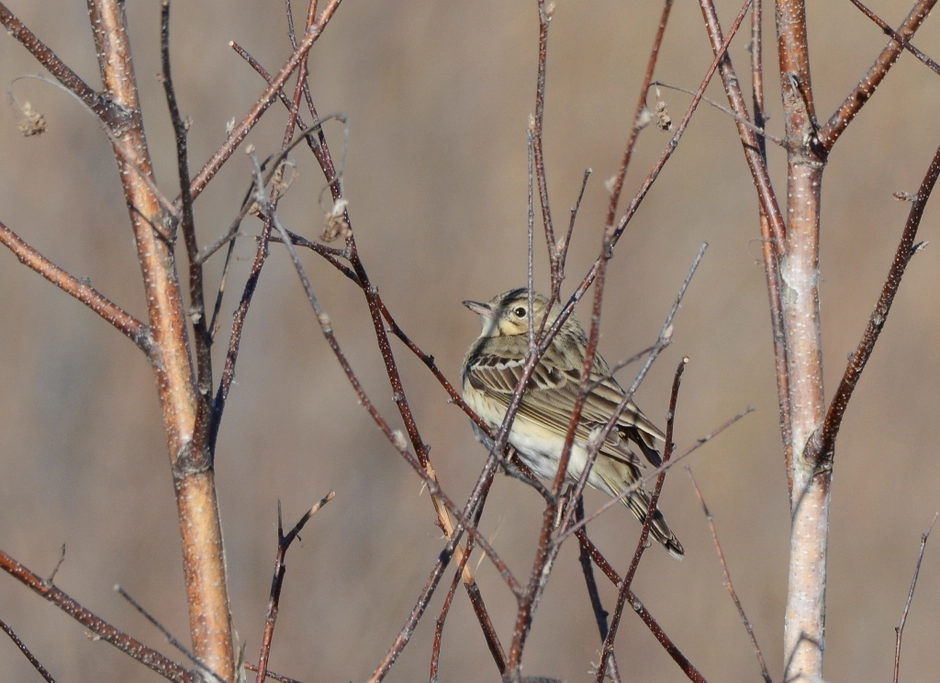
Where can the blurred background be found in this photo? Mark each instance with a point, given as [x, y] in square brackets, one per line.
[438, 95]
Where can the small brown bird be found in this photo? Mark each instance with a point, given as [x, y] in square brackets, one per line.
[491, 370]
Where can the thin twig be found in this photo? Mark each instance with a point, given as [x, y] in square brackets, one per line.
[640, 117]
[197, 307]
[109, 111]
[564, 245]
[26, 653]
[271, 674]
[765, 673]
[761, 132]
[755, 161]
[280, 569]
[545, 20]
[899, 631]
[170, 638]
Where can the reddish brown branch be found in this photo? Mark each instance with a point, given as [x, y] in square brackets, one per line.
[150, 658]
[241, 131]
[271, 674]
[129, 326]
[107, 110]
[866, 87]
[193, 477]
[755, 161]
[256, 65]
[901, 39]
[670, 647]
[822, 446]
[545, 19]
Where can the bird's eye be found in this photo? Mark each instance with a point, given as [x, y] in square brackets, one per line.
[520, 311]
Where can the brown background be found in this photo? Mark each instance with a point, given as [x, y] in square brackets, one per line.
[438, 95]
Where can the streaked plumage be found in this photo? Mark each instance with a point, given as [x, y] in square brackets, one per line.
[492, 368]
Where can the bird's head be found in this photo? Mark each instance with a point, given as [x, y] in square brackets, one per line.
[507, 314]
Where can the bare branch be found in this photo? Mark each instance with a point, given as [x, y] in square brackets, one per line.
[123, 321]
[752, 154]
[670, 647]
[240, 131]
[923, 7]
[866, 87]
[822, 446]
[150, 658]
[761, 132]
[107, 110]
[545, 19]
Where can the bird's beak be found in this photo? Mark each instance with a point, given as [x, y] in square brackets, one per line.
[482, 310]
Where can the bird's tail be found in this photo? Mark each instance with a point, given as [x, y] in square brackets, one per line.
[613, 476]
[639, 504]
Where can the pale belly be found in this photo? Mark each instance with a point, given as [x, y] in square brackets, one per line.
[541, 449]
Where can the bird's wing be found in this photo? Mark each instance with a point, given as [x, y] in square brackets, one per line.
[550, 397]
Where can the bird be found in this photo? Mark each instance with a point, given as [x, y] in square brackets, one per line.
[489, 375]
